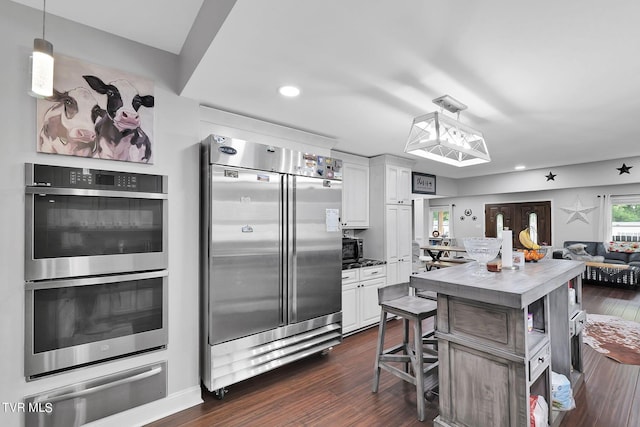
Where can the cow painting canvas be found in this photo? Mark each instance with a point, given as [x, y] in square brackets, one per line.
[97, 112]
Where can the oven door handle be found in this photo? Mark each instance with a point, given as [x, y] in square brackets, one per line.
[80, 393]
[95, 193]
[73, 282]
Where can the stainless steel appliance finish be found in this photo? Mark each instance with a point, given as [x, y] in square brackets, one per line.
[352, 250]
[271, 258]
[82, 222]
[84, 402]
[72, 322]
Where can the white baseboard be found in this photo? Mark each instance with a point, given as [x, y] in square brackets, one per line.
[152, 411]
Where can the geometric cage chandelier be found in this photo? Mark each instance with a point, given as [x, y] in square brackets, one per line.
[444, 139]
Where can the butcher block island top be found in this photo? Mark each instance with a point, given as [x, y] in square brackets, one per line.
[509, 288]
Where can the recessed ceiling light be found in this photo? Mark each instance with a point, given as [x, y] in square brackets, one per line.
[289, 91]
[520, 167]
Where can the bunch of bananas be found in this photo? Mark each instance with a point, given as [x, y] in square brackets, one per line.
[526, 241]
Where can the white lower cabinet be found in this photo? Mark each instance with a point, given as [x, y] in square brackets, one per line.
[349, 307]
[369, 307]
[404, 270]
[398, 272]
[392, 273]
[360, 297]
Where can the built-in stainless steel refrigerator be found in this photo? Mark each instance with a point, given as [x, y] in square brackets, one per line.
[270, 258]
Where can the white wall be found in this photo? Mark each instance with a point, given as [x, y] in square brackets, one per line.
[584, 181]
[420, 215]
[561, 198]
[176, 155]
[223, 123]
[595, 174]
[585, 175]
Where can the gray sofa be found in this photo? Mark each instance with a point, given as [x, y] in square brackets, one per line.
[598, 249]
[596, 252]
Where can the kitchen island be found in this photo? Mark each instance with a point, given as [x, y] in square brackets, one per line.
[500, 337]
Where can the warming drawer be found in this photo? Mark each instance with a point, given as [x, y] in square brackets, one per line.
[88, 401]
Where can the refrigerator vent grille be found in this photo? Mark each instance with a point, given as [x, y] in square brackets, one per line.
[229, 367]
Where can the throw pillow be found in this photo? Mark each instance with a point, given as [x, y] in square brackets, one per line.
[626, 247]
[578, 248]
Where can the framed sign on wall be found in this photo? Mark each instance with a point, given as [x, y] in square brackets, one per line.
[423, 183]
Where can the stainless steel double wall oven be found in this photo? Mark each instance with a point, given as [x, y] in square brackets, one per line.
[95, 266]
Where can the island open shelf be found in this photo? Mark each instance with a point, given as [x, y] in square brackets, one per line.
[500, 337]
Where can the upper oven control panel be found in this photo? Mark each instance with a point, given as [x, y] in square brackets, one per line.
[96, 179]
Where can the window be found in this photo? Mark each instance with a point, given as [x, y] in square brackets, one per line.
[440, 220]
[533, 226]
[625, 218]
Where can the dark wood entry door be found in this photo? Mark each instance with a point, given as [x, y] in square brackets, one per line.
[517, 216]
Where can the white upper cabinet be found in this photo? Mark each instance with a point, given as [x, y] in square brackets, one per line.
[355, 195]
[397, 185]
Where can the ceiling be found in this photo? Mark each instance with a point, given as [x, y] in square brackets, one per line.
[549, 83]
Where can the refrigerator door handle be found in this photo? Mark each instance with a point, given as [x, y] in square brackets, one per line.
[291, 244]
[283, 251]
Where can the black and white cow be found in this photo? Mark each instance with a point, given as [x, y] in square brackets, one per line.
[68, 126]
[118, 132]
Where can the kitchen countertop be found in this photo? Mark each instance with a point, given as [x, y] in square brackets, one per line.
[511, 288]
[366, 262]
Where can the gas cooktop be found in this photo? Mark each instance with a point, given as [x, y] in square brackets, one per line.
[365, 262]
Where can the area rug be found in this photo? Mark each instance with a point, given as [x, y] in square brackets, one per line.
[616, 338]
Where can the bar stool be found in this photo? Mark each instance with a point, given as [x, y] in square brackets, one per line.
[423, 361]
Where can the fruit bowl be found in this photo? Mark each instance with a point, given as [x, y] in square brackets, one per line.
[534, 255]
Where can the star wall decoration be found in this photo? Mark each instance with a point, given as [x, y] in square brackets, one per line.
[551, 176]
[578, 212]
[624, 169]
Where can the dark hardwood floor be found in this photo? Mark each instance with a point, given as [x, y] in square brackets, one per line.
[610, 395]
[335, 390]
